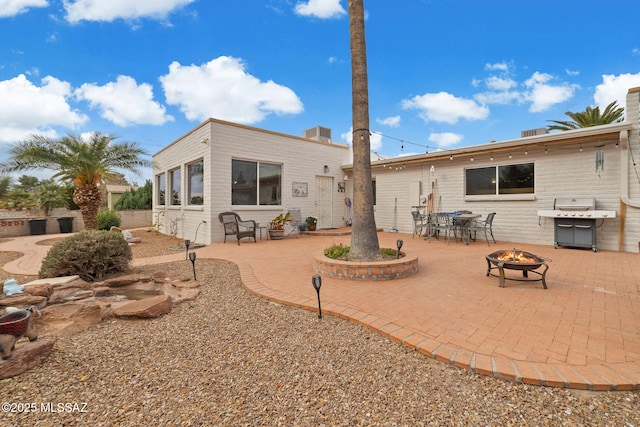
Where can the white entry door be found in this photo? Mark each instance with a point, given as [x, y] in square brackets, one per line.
[324, 201]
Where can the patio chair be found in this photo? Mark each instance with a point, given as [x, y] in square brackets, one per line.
[295, 223]
[486, 227]
[419, 224]
[441, 223]
[234, 226]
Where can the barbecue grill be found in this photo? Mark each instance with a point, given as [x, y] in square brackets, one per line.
[575, 221]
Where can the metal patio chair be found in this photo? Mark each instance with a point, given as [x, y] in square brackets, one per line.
[419, 224]
[295, 222]
[234, 226]
[485, 227]
[441, 223]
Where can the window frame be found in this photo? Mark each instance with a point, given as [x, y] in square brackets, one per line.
[190, 197]
[161, 187]
[498, 190]
[257, 190]
[171, 182]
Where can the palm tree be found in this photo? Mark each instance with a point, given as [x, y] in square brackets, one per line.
[85, 164]
[364, 237]
[590, 117]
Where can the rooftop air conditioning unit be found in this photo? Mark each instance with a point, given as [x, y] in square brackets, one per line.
[533, 132]
[318, 133]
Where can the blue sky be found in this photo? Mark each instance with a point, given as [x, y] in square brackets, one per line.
[442, 73]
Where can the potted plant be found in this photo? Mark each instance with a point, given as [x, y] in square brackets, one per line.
[311, 223]
[276, 226]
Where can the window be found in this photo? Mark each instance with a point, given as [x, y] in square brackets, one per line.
[255, 183]
[174, 177]
[195, 176]
[508, 179]
[161, 186]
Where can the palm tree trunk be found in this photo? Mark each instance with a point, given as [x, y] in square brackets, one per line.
[88, 197]
[364, 237]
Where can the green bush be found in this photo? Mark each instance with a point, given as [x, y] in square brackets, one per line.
[337, 251]
[140, 198]
[341, 252]
[90, 254]
[108, 219]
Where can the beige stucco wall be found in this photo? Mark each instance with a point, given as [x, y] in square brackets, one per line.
[217, 143]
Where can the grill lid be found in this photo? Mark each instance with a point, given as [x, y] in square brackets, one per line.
[575, 204]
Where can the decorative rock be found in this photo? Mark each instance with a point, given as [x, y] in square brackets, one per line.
[189, 284]
[159, 277]
[116, 229]
[69, 318]
[42, 290]
[23, 301]
[63, 295]
[125, 280]
[27, 355]
[134, 240]
[145, 308]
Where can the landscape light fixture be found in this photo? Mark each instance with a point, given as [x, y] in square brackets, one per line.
[192, 258]
[399, 243]
[316, 281]
[187, 243]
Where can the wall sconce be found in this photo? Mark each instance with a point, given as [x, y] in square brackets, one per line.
[472, 159]
[204, 141]
[326, 169]
[346, 178]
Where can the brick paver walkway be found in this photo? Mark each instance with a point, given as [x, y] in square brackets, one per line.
[582, 332]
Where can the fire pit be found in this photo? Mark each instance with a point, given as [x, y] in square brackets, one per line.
[517, 260]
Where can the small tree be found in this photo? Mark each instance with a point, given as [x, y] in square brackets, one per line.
[140, 198]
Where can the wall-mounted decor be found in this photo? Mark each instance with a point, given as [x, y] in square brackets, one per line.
[341, 187]
[300, 189]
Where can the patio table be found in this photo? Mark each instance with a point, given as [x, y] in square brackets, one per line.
[462, 222]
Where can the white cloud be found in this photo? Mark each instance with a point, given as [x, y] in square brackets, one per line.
[499, 66]
[16, 7]
[223, 89]
[543, 95]
[615, 88]
[124, 102]
[392, 122]
[500, 83]
[444, 107]
[27, 108]
[445, 139]
[320, 9]
[101, 10]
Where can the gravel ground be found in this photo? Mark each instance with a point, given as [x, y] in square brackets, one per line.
[232, 358]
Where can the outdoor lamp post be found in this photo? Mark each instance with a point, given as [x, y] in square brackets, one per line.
[187, 243]
[192, 257]
[316, 280]
[399, 245]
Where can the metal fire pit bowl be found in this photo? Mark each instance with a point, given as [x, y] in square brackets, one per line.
[517, 260]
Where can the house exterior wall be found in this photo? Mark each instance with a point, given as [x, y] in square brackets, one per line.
[564, 172]
[302, 161]
[565, 166]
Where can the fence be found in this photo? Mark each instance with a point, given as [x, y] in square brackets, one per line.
[17, 223]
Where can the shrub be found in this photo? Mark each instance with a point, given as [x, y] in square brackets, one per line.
[90, 254]
[140, 198]
[337, 251]
[341, 252]
[108, 219]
